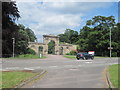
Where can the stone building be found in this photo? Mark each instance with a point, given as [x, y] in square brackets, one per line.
[60, 49]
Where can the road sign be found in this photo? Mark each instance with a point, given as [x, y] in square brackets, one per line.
[110, 48]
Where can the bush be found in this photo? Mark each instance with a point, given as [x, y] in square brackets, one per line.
[67, 53]
[73, 52]
[21, 56]
[114, 54]
[31, 51]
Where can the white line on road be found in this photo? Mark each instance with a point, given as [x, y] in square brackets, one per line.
[88, 62]
[28, 69]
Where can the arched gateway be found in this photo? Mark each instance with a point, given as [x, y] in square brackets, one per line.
[60, 49]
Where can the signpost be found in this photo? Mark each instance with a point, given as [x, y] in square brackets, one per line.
[13, 46]
[110, 48]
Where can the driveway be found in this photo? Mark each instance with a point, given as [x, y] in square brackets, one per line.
[63, 72]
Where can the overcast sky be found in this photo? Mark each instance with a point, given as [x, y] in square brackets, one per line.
[54, 17]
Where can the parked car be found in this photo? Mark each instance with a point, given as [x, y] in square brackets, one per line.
[84, 55]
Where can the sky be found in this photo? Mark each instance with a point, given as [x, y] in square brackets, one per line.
[53, 17]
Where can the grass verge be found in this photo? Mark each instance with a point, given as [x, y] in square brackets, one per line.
[14, 78]
[113, 72]
[71, 57]
[27, 56]
[74, 57]
[0, 80]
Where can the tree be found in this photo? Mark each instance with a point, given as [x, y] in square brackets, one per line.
[95, 35]
[51, 47]
[9, 29]
[69, 36]
[31, 35]
[25, 35]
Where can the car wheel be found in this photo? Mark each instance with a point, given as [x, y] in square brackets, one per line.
[77, 58]
[92, 58]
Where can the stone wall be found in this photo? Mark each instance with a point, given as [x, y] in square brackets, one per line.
[59, 48]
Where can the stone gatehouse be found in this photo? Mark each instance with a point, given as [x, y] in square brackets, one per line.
[60, 49]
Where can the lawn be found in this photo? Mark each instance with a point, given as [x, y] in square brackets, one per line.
[0, 80]
[113, 72]
[74, 57]
[70, 56]
[14, 78]
[29, 56]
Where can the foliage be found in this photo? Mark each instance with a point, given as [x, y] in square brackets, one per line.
[11, 30]
[21, 45]
[94, 36]
[40, 50]
[51, 47]
[69, 36]
[72, 53]
[30, 51]
[67, 53]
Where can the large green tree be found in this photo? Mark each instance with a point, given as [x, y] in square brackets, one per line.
[95, 35]
[25, 35]
[69, 36]
[9, 29]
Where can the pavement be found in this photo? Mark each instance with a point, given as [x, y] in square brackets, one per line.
[63, 72]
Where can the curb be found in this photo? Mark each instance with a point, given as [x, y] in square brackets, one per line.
[26, 82]
[108, 80]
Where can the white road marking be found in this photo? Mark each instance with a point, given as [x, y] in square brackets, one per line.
[13, 68]
[28, 69]
[88, 62]
[73, 69]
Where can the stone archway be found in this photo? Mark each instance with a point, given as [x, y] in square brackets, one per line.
[51, 47]
[48, 38]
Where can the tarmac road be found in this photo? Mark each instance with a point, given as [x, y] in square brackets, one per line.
[63, 72]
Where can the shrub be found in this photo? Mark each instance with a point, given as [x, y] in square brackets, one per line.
[73, 53]
[31, 51]
[114, 54]
[21, 56]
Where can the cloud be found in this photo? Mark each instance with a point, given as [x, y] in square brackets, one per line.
[54, 17]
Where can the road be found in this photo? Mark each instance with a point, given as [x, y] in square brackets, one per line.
[63, 72]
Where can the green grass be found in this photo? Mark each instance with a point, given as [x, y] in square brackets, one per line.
[29, 56]
[113, 72]
[12, 79]
[0, 80]
[70, 56]
[74, 57]
[104, 57]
